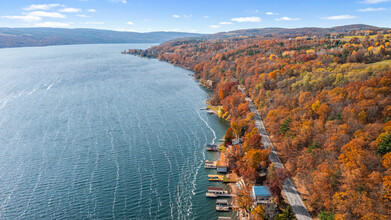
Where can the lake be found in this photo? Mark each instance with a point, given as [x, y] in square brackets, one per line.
[89, 133]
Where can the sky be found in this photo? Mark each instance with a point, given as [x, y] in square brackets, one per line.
[201, 16]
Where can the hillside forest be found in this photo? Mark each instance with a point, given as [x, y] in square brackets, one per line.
[325, 102]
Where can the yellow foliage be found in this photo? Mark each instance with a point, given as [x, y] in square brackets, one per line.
[386, 160]
[220, 112]
[311, 51]
[272, 57]
[315, 106]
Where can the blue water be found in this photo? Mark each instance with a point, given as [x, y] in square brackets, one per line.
[89, 133]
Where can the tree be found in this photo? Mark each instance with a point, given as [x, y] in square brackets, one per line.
[259, 212]
[286, 214]
[385, 144]
[243, 199]
[275, 180]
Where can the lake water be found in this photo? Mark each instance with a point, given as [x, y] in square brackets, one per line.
[89, 133]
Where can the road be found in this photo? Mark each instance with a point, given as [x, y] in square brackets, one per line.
[289, 189]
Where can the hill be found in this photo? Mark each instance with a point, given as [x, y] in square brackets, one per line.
[286, 32]
[22, 37]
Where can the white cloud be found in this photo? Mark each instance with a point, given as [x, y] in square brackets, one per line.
[83, 16]
[95, 22]
[130, 22]
[206, 16]
[91, 10]
[287, 19]
[70, 10]
[176, 16]
[272, 13]
[52, 24]
[247, 19]
[46, 14]
[225, 23]
[125, 30]
[122, 1]
[214, 26]
[41, 7]
[193, 31]
[374, 1]
[27, 18]
[371, 9]
[339, 17]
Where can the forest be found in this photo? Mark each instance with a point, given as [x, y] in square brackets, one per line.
[325, 102]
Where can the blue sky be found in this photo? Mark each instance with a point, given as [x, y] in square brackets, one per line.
[202, 16]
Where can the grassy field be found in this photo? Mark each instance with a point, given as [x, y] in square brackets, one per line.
[363, 37]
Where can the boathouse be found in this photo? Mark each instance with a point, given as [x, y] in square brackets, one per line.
[221, 167]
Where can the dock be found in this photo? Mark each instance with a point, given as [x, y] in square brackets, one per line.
[216, 178]
[222, 205]
[210, 164]
[212, 147]
[215, 192]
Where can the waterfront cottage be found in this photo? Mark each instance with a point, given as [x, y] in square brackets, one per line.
[260, 194]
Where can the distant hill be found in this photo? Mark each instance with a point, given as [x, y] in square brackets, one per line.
[22, 37]
[293, 32]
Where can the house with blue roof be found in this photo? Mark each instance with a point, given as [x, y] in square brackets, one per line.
[261, 193]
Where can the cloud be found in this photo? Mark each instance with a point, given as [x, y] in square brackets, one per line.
[371, 9]
[131, 23]
[125, 30]
[206, 16]
[272, 13]
[27, 18]
[122, 1]
[91, 10]
[287, 19]
[83, 16]
[225, 23]
[41, 7]
[176, 16]
[247, 19]
[187, 16]
[339, 17]
[46, 14]
[52, 24]
[214, 26]
[70, 10]
[95, 22]
[374, 1]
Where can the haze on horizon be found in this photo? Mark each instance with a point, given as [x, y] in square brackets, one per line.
[192, 16]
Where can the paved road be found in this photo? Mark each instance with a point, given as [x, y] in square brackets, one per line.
[289, 189]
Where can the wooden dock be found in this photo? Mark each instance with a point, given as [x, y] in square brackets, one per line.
[210, 164]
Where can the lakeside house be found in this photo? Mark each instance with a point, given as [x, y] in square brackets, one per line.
[260, 194]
